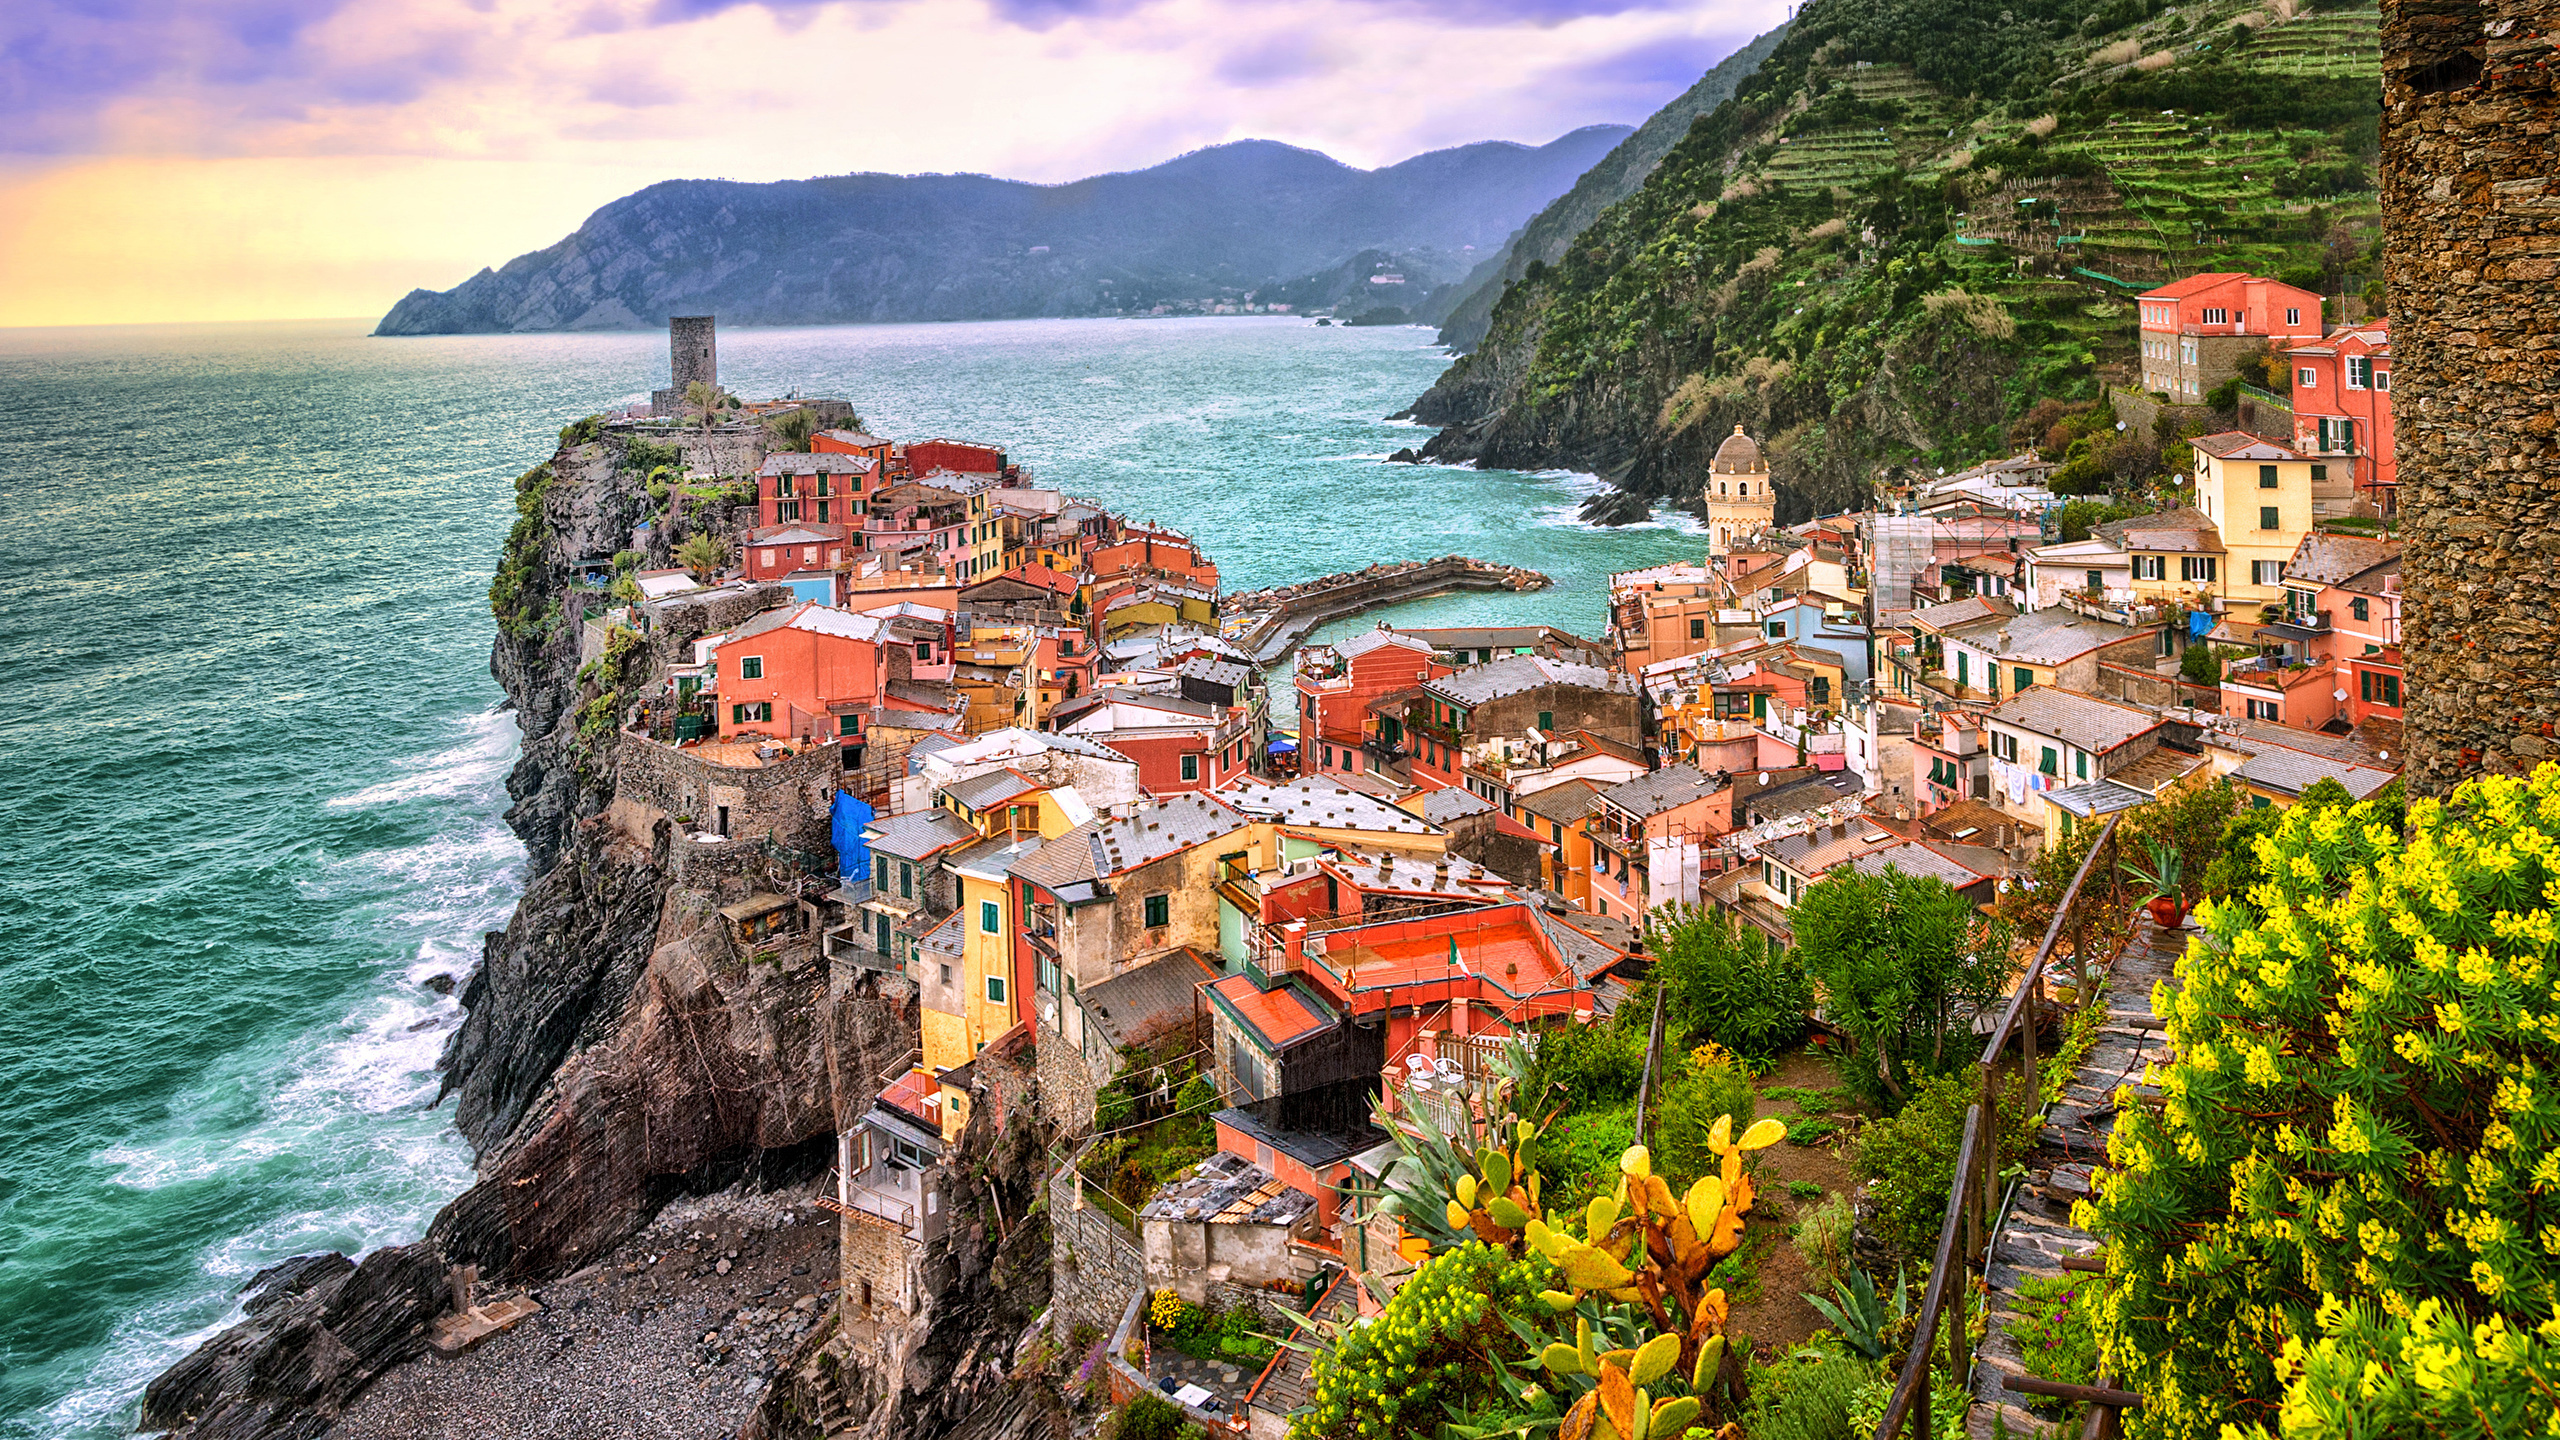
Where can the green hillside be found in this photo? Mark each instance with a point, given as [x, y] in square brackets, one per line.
[1917, 220]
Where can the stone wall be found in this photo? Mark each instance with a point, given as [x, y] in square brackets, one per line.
[676, 622]
[786, 801]
[1094, 1265]
[1067, 1083]
[2471, 230]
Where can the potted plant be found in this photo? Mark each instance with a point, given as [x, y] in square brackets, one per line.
[2168, 907]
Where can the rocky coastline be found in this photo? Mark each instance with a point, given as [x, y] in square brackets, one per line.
[619, 1062]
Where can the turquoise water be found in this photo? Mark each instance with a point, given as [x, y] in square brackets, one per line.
[255, 782]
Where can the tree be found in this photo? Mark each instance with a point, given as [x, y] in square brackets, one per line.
[2201, 664]
[1729, 982]
[703, 555]
[2338, 1222]
[704, 399]
[1903, 968]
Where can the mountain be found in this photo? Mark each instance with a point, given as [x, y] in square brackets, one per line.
[871, 247]
[1915, 221]
[1469, 305]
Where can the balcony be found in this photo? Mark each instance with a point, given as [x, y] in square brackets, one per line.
[854, 945]
[2120, 607]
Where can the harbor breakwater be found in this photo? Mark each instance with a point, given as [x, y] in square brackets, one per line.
[1281, 617]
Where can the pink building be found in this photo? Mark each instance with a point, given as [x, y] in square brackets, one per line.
[2194, 329]
[2342, 407]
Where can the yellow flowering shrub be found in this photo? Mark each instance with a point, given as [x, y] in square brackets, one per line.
[2344, 1217]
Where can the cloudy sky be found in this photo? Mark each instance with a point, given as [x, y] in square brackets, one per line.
[177, 160]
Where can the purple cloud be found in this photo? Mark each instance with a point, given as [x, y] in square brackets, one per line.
[62, 61]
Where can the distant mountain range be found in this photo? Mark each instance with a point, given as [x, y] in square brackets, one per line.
[1462, 311]
[1217, 222]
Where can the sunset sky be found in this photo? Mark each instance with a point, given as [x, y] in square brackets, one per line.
[178, 160]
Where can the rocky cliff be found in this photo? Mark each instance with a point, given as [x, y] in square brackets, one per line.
[618, 1048]
[864, 248]
[1916, 219]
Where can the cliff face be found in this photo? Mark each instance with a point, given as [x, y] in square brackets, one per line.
[864, 248]
[1913, 221]
[618, 1049]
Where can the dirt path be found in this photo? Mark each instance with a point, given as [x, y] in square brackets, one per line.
[1769, 1309]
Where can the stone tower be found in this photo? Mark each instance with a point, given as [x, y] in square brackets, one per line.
[2471, 229]
[1739, 499]
[693, 352]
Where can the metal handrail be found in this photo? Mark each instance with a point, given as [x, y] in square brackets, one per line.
[1973, 1200]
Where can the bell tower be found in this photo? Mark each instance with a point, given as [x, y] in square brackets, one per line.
[1740, 502]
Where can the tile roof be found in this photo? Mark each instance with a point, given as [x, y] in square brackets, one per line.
[994, 857]
[1318, 1128]
[2086, 721]
[2181, 530]
[993, 788]
[1758, 805]
[2049, 637]
[1069, 860]
[2293, 772]
[944, 937]
[920, 834]
[1120, 845]
[1972, 820]
[1413, 875]
[1368, 640]
[1587, 953]
[909, 1093]
[2098, 797]
[2192, 284]
[1664, 789]
[1917, 861]
[1277, 1018]
[1146, 998]
[1969, 611]
[808, 616]
[1563, 803]
[1452, 803]
[1216, 672]
[1315, 801]
[1227, 1190]
[2336, 559]
[831, 463]
[2241, 445]
[1519, 674]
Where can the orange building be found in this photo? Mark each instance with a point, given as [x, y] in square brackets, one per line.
[1339, 686]
[779, 673]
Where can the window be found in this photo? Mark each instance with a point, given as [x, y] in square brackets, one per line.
[2004, 747]
[2080, 764]
[2381, 379]
[2195, 567]
[751, 668]
[1778, 628]
[2049, 763]
[906, 881]
[2359, 372]
[2265, 710]
[2150, 567]
[786, 510]
[2267, 477]
[1964, 664]
[1190, 767]
[2095, 579]
[990, 918]
[1546, 720]
[2266, 572]
[822, 510]
[2360, 608]
[880, 872]
[1159, 911]
[2270, 518]
[2020, 677]
[751, 713]
[995, 989]
[849, 727]
[924, 650]
[2216, 315]
[946, 973]
[2292, 317]
[1697, 629]
[2378, 689]
[2319, 473]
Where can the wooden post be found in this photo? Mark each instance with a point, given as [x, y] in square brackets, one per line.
[1989, 1200]
[1917, 1423]
[1960, 1301]
[2027, 1039]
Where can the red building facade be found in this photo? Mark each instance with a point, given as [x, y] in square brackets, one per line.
[2342, 407]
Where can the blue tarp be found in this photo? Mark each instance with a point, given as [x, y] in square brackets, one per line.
[1283, 747]
[2199, 623]
[853, 853]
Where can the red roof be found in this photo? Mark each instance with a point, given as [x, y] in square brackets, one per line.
[1500, 955]
[2193, 284]
[1280, 1017]
[908, 1093]
[1056, 582]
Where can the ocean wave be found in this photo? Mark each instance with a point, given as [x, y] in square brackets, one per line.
[1582, 485]
[484, 755]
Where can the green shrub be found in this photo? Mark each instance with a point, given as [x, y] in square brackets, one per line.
[1811, 1131]
[1577, 1156]
[1903, 967]
[1588, 1067]
[1822, 1238]
[1805, 1395]
[1911, 1158]
[1729, 983]
[1151, 1417]
[2053, 1328]
[2359, 1114]
[1423, 1357]
[1691, 1101]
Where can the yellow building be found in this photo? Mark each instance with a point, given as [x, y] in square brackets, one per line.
[981, 998]
[1740, 501]
[2258, 495]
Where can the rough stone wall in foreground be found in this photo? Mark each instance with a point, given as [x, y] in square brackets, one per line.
[2471, 219]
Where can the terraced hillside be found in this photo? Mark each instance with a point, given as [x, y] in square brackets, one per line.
[1918, 218]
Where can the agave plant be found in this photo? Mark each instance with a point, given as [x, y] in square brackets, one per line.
[2163, 874]
[1860, 1316]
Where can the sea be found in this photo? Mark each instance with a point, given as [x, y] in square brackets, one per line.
[251, 805]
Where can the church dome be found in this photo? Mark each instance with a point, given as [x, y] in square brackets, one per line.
[1738, 455]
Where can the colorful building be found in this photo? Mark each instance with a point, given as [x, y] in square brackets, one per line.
[2342, 408]
[2193, 330]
